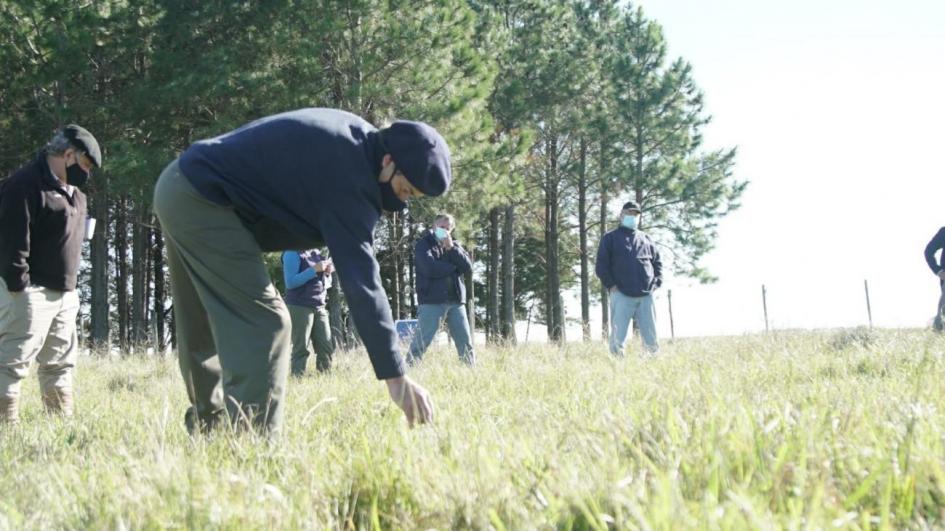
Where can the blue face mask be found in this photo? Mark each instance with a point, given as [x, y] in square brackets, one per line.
[630, 221]
[440, 233]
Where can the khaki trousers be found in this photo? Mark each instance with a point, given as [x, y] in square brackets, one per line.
[233, 328]
[37, 323]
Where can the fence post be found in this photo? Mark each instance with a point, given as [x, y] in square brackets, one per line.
[764, 304]
[869, 310]
[672, 327]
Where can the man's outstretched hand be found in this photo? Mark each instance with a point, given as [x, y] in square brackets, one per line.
[412, 398]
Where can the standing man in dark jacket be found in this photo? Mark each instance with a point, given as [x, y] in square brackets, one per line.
[307, 279]
[42, 224]
[441, 263]
[296, 180]
[938, 267]
[628, 264]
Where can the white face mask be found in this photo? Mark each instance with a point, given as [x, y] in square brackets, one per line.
[630, 221]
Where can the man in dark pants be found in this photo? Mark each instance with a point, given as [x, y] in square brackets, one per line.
[42, 225]
[441, 263]
[307, 279]
[296, 180]
[938, 267]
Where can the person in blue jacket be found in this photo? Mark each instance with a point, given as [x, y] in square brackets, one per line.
[441, 263]
[297, 180]
[307, 276]
[629, 266]
[936, 244]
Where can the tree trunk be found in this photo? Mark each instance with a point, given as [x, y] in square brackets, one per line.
[121, 271]
[99, 257]
[492, 309]
[393, 254]
[160, 342]
[336, 321]
[412, 269]
[172, 328]
[553, 308]
[604, 300]
[471, 298]
[400, 268]
[140, 264]
[508, 275]
[582, 231]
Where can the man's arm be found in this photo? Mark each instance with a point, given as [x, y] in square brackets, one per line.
[352, 251]
[657, 266]
[15, 215]
[937, 242]
[602, 267]
[290, 265]
[350, 240]
[460, 258]
[427, 265]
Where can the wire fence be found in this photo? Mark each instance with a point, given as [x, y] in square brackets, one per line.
[737, 308]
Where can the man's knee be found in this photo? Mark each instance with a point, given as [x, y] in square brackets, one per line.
[55, 370]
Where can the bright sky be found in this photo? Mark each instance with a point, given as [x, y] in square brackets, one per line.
[837, 108]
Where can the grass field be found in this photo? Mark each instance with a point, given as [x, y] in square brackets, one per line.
[794, 430]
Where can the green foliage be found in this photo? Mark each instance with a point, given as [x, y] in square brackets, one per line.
[273, 263]
[683, 191]
[767, 431]
[515, 86]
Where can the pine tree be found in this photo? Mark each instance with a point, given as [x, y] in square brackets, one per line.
[682, 190]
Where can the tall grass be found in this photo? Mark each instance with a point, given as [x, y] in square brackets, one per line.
[798, 430]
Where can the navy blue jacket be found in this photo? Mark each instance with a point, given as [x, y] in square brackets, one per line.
[937, 243]
[440, 272]
[306, 179]
[629, 260]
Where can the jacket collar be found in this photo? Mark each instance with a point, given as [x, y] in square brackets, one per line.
[47, 177]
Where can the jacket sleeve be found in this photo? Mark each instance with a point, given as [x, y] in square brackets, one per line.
[460, 258]
[16, 212]
[657, 266]
[937, 243]
[350, 241]
[602, 267]
[427, 265]
[290, 264]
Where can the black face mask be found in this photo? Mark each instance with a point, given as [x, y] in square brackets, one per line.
[389, 200]
[76, 176]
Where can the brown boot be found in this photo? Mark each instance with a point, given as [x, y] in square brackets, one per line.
[58, 401]
[9, 411]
